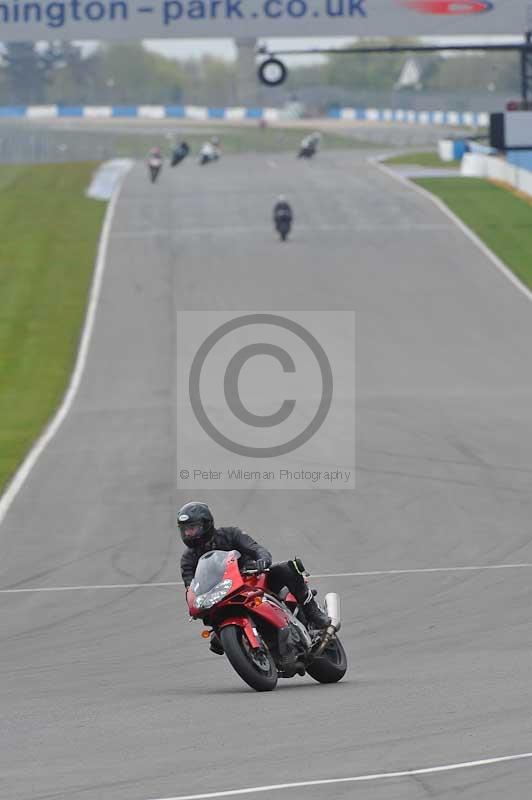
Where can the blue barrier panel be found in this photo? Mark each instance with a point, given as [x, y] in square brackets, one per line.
[360, 113]
[124, 111]
[174, 111]
[254, 113]
[459, 148]
[13, 111]
[69, 111]
[334, 113]
[216, 113]
[520, 158]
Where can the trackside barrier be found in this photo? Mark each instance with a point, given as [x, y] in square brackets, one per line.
[462, 119]
[199, 113]
[477, 165]
[452, 149]
[236, 113]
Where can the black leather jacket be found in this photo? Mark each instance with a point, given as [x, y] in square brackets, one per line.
[282, 210]
[224, 539]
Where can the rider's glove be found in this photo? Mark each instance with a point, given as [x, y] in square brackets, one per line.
[262, 564]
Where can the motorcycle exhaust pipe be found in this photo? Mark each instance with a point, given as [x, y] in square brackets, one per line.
[332, 609]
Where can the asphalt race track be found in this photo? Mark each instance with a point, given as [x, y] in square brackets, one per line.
[109, 693]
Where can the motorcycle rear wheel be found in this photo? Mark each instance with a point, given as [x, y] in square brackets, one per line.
[331, 666]
[256, 668]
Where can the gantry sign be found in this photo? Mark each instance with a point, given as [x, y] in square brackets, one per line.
[31, 20]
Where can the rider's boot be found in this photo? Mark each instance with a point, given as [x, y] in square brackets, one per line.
[313, 613]
[216, 645]
[287, 657]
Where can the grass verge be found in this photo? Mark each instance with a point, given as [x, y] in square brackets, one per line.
[423, 160]
[500, 218]
[50, 233]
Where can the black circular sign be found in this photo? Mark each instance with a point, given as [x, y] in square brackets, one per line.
[272, 72]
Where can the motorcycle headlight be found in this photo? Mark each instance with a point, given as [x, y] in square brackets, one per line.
[217, 593]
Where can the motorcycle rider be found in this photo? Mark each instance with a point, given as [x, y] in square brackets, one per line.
[154, 162]
[210, 150]
[309, 145]
[180, 151]
[196, 526]
[155, 154]
[282, 209]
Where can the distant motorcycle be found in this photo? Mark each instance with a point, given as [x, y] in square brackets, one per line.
[306, 151]
[309, 146]
[283, 224]
[208, 153]
[155, 164]
[179, 153]
[263, 635]
[282, 217]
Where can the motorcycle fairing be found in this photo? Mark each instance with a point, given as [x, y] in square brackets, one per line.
[247, 626]
[281, 616]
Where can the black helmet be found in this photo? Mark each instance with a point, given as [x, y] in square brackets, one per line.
[196, 524]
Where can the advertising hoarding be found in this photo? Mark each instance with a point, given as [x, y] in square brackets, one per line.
[30, 20]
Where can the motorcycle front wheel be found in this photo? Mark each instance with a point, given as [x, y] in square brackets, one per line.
[255, 667]
[331, 666]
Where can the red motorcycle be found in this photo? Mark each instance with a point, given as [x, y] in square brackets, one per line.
[263, 635]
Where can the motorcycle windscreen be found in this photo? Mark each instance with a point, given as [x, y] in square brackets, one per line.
[211, 569]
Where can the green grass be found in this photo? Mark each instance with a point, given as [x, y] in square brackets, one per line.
[499, 217]
[423, 160]
[50, 232]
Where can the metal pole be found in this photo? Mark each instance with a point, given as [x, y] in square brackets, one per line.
[526, 69]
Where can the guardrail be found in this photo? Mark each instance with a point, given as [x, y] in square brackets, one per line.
[463, 119]
[479, 165]
[239, 113]
[199, 113]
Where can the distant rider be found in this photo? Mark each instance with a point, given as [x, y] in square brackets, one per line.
[154, 162]
[154, 156]
[180, 151]
[282, 210]
[196, 526]
[210, 150]
[309, 145]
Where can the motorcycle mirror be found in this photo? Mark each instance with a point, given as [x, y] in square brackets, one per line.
[272, 72]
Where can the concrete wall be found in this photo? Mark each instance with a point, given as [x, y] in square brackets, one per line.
[497, 168]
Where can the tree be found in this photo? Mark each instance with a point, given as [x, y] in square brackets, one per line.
[134, 75]
[75, 79]
[27, 70]
[365, 70]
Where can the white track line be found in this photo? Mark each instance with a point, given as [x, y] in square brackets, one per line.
[495, 260]
[53, 426]
[364, 574]
[92, 588]
[407, 773]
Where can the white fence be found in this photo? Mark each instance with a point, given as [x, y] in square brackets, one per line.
[477, 165]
